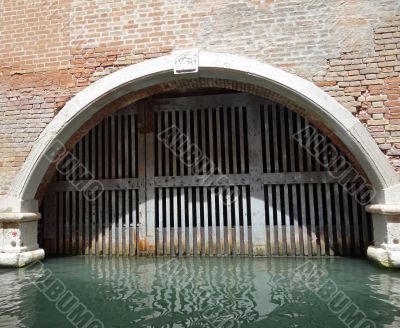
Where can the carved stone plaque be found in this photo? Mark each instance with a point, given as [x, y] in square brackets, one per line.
[186, 61]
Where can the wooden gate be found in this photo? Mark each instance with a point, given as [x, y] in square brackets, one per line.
[201, 175]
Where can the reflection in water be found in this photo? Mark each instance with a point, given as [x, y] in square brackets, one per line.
[198, 292]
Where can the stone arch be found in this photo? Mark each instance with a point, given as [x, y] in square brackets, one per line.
[133, 79]
[157, 75]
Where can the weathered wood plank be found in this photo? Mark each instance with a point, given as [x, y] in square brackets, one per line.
[175, 250]
[120, 222]
[190, 209]
[61, 212]
[256, 185]
[147, 229]
[236, 232]
[113, 238]
[213, 236]
[338, 219]
[204, 244]
[321, 225]
[346, 213]
[167, 242]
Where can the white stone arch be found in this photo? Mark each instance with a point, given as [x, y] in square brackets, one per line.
[315, 102]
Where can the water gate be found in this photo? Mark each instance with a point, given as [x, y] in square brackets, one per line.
[205, 175]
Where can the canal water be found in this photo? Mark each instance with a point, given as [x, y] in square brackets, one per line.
[199, 292]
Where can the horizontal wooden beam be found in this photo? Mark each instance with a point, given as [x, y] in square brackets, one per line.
[108, 184]
[299, 177]
[200, 181]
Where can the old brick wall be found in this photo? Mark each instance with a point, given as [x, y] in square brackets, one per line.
[52, 49]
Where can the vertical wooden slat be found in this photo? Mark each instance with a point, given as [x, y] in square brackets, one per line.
[106, 239]
[135, 143]
[100, 160]
[165, 148]
[147, 226]
[181, 145]
[267, 117]
[100, 224]
[93, 230]
[190, 209]
[126, 246]
[322, 249]
[234, 141]
[93, 139]
[73, 222]
[173, 144]
[107, 196]
[356, 232]
[241, 136]
[81, 214]
[279, 219]
[306, 246]
[86, 226]
[127, 143]
[204, 246]
[226, 140]
[228, 250]
[67, 222]
[314, 249]
[287, 248]
[211, 139]
[213, 236]
[245, 222]
[167, 242]
[236, 246]
[50, 217]
[274, 144]
[60, 222]
[188, 142]
[328, 198]
[338, 220]
[364, 222]
[120, 222]
[296, 249]
[175, 218]
[113, 223]
[197, 229]
[346, 218]
[183, 221]
[320, 221]
[160, 223]
[259, 239]
[113, 147]
[134, 244]
[218, 140]
[221, 221]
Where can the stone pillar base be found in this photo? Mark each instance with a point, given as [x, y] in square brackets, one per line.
[386, 224]
[385, 257]
[18, 239]
[21, 259]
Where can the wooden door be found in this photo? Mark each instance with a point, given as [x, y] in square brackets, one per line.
[203, 175]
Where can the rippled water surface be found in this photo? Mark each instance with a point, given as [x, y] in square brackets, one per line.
[199, 292]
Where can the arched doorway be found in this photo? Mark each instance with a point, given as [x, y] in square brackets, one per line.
[205, 174]
[179, 71]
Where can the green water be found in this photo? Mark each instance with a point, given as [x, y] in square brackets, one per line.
[199, 292]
